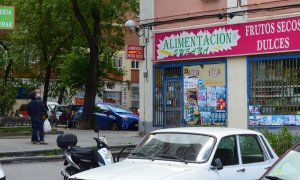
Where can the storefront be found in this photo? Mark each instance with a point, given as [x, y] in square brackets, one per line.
[191, 78]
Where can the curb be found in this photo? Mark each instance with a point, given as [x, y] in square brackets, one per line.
[37, 155]
[15, 160]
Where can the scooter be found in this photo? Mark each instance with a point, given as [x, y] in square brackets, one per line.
[78, 159]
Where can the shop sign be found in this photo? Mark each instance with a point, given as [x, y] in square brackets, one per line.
[281, 35]
[7, 17]
[135, 52]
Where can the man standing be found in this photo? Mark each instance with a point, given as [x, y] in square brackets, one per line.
[36, 109]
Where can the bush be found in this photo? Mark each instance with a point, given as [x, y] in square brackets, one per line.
[7, 98]
[282, 140]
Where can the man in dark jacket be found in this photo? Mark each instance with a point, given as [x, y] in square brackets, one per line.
[36, 109]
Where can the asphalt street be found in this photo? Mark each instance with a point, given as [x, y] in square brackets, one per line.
[50, 170]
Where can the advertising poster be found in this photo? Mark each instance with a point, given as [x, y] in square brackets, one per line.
[213, 75]
[289, 120]
[297, 120]
[205, 94]
[254, 110]
[211, 98]
[266, 120]
[277, 120]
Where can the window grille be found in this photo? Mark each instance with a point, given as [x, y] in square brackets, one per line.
[275, 86]
[158, 97]
[173, 103]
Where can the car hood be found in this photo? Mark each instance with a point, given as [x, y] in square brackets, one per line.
[135, 169]
[131, 116]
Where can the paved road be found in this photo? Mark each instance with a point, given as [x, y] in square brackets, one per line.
[51, 170]
[33, 171]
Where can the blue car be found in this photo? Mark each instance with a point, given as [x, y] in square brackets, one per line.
[114, 117]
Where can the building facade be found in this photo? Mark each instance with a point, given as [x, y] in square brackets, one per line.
[232, 63]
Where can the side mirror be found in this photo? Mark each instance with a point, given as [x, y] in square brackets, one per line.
[217, 164]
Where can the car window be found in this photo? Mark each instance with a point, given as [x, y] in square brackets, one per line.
[227, 151]
[288, 167]
[100, 108]
[175, 146]
[251, 150]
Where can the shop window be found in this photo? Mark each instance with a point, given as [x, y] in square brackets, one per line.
[205, 95]
[274, 92]
[190, 95]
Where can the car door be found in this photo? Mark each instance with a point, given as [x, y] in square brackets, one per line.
[227, 152]
[254, 158]
[103, 120]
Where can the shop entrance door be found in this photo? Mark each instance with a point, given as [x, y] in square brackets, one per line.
[173, 104]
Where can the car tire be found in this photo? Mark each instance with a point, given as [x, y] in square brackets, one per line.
[114, 126]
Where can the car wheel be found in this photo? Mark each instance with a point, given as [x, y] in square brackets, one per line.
[114, 126]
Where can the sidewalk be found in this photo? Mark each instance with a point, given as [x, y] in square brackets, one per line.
[12, 147]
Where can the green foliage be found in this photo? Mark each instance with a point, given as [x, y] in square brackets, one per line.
[282, 140]
[15, 130]
[73, 70]
[53, 152]
[7, 97]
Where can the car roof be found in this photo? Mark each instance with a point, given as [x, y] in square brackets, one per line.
[212, 131]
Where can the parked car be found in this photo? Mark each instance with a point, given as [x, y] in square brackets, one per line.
[210, 153]
[65, 113]
[2, 175]
[113, 117]
[23, 111]
[287, 167]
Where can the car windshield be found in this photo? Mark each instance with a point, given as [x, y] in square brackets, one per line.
[288, 167]
[175, 147]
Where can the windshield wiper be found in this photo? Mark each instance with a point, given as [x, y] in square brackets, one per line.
[142, 154]
[273, 178]
[171, 157]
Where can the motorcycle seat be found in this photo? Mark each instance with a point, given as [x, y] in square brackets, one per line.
[81, 153]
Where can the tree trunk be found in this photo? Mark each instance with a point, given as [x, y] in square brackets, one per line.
[61, 94]
[92, 79]
[47, 82]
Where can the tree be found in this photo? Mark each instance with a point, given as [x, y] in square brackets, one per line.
[45, 30]
[103, 31]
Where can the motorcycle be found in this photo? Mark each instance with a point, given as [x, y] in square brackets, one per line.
[78, 159]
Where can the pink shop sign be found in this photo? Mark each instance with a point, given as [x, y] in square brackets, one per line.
[281, 35]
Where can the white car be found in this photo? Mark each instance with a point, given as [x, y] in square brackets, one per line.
[2, 175]
[210, 153]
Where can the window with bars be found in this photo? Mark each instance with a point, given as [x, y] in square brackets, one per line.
[274, 92]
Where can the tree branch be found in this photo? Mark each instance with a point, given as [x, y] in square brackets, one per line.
[82, 21]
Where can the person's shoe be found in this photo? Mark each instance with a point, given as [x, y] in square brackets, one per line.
[43, 142]
[34, 142]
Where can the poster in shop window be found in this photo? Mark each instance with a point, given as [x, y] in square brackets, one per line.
[205, 95]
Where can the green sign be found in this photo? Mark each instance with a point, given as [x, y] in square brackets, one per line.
[7, 17]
